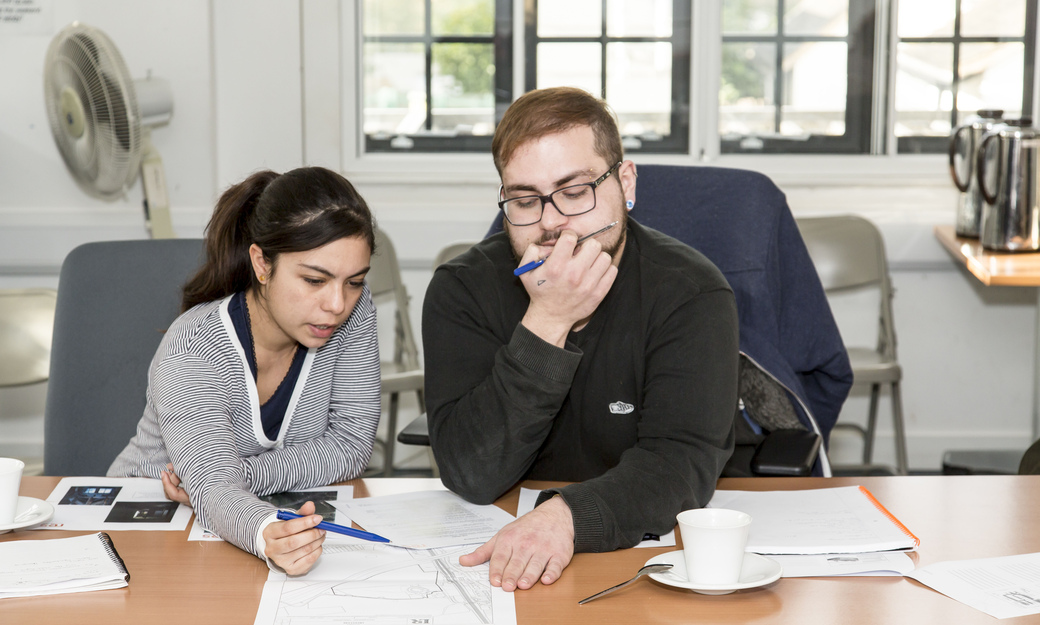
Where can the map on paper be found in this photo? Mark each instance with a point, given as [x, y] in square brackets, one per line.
[360, 584]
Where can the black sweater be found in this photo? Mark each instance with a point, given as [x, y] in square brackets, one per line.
[637, 409]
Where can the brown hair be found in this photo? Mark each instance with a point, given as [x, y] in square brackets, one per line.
[548, 111]
[297, 211]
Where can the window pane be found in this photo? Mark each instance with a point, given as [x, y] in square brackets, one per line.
[926, 18]
[463, 88]
[991, 77]
[746, 103]
[462, 17]
[993, 18]
[574, 18]
[924, 95]
[639, 87]
[815, 85]
[570, 65]
[394, 17]
[395, 87]
[749, 17]
[828, 18]
[639, 18]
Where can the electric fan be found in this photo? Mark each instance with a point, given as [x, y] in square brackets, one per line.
[102, 120]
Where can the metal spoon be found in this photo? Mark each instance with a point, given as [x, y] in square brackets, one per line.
[650, 568]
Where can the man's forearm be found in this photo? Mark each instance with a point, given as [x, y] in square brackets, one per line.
[487, 439]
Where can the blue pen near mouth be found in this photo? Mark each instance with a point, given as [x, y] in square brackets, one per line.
[534, 264]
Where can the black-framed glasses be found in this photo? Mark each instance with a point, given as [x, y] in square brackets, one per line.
[575, 199]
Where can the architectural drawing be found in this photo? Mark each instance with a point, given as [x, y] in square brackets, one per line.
[361, 584]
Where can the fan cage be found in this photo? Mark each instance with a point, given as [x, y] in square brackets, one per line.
[106, 157]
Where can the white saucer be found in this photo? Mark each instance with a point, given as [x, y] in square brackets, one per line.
[43, 512]
[756, 571]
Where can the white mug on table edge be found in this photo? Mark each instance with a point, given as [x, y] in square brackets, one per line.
[10, 481]
[713, 544]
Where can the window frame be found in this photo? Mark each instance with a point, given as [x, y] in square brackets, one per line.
[923, 144]
[332, 124]
[678, 141]
[861, 45]
[501, 39]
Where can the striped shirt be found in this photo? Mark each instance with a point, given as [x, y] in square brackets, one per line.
[203, 415]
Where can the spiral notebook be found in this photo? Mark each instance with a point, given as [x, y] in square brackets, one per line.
[847, 519]
[60, 565]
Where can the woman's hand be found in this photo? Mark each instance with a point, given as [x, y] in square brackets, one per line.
[171, 485]
[295, 545]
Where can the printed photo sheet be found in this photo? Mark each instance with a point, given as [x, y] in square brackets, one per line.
[114, 503]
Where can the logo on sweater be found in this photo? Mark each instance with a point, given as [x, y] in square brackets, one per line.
[620, 407]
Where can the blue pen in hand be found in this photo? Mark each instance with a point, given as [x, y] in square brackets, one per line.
[285, 515]
[534, 264]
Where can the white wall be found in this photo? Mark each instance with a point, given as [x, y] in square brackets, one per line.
[243, 103]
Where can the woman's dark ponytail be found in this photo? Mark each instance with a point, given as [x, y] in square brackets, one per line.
[228, 269]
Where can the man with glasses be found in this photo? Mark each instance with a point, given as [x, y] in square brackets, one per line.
[610, 363]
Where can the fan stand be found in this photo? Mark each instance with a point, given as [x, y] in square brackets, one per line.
[156, 199]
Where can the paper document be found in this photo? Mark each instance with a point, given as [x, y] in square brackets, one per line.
[379, 584]
[426, 519]
[30, 568]
[528, 497]
[824, 520]
[1001, 587]
[292, 500]
[114, 503]
[874, 564]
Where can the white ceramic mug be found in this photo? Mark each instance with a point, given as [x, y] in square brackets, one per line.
[10, 480]
[713, 544]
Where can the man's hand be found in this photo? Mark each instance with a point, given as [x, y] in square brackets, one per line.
[567, 288]
[538, 545]
[171, 485]
[295, 545]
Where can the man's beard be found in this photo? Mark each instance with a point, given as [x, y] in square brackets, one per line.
[547, 237]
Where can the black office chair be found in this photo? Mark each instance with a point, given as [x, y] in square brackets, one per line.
[740, 220]
[115, 301]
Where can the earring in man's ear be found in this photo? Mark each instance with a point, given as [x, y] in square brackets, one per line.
[630, 204]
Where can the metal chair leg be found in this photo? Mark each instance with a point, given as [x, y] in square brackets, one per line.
[902, 466]
[391, 435]
[871, 430]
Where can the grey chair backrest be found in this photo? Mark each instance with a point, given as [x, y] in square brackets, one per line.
[26, 323]
[115, 301]
[849, 253]
[450, 251]
[384, 282]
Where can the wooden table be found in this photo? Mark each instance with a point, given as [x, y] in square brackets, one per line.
[1001, 269]
[991, 268]
[956, 517]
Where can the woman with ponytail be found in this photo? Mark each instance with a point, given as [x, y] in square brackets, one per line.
[269, 380]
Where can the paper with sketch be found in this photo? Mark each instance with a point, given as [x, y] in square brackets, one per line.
[114, 503]
[426, 519]
[1002, 587]
[378, 584]
[824, 520]
[528, 497]
[292, 500]
[875, 564]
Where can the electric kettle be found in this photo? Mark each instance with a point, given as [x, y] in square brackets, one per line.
[964, 143]
[1006, 171]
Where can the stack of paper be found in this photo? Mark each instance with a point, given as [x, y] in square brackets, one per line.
[823, 532]
[62, 565]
